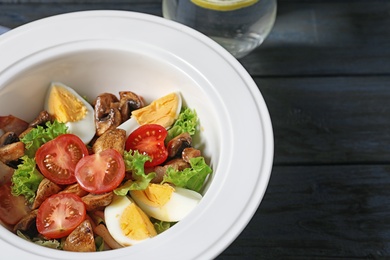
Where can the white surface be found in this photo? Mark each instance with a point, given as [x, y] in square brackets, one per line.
[109, 51]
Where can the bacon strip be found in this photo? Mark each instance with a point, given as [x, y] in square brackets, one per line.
[6, 173]
[12, 124]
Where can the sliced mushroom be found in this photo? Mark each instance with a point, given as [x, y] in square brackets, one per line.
[81, 239]
[8, 138]
[189, 153]
[27, 221]
[102, 231]
[13, 160]
[97, 201]
[115, 139]
[12, 124]
[107, 114]
[11, 152]
[160, 173]
[129, 101]
[178, 144]
[178, 164]
[45, 189]
[74, 189]
[41, 119]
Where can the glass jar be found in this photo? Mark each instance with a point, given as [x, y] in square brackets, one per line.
[238, 25]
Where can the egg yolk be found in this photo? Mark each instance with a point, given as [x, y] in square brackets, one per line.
[64, 106]
[155, 195]
[135, 224]
[161, 111]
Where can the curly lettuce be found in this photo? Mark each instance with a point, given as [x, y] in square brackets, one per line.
[40, 135]
[161, 226]
[26, 179]
[187, 122]
[134, 162]
[191, 178]
[51, 243]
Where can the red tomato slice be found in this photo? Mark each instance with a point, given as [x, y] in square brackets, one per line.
[149, 139]
[57, 158]
[100, 172]
[60, 214]
[12, 208]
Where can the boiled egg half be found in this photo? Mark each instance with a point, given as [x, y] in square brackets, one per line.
[126, 222]
[163, 111]
[166, 203]
[67, 106]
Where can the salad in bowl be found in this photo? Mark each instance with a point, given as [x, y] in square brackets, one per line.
[103, 175]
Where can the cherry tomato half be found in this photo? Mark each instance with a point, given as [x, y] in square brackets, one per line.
[12, 208]
[100, 172]
[60, 214]
[57, 158]
[149, 139]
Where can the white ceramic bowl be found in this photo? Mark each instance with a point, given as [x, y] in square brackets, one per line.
[109, 51]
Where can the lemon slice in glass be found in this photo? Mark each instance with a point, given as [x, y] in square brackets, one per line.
[224, 5]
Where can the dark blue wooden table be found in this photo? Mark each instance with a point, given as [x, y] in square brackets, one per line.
[324, 72]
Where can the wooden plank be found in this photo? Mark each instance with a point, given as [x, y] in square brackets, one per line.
[14, 15]
[324, 120]
[84, 2]
[320, 212]
[325, 38]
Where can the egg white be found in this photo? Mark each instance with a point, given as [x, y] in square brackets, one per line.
[181, 203]
[84, 128]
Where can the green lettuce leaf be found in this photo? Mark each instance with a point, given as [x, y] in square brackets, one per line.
[26, 179]
[161, 226]
[99, 243]
[40, 135]
[191, 178]
[134, 162]
[186, 122]
[53, 243]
